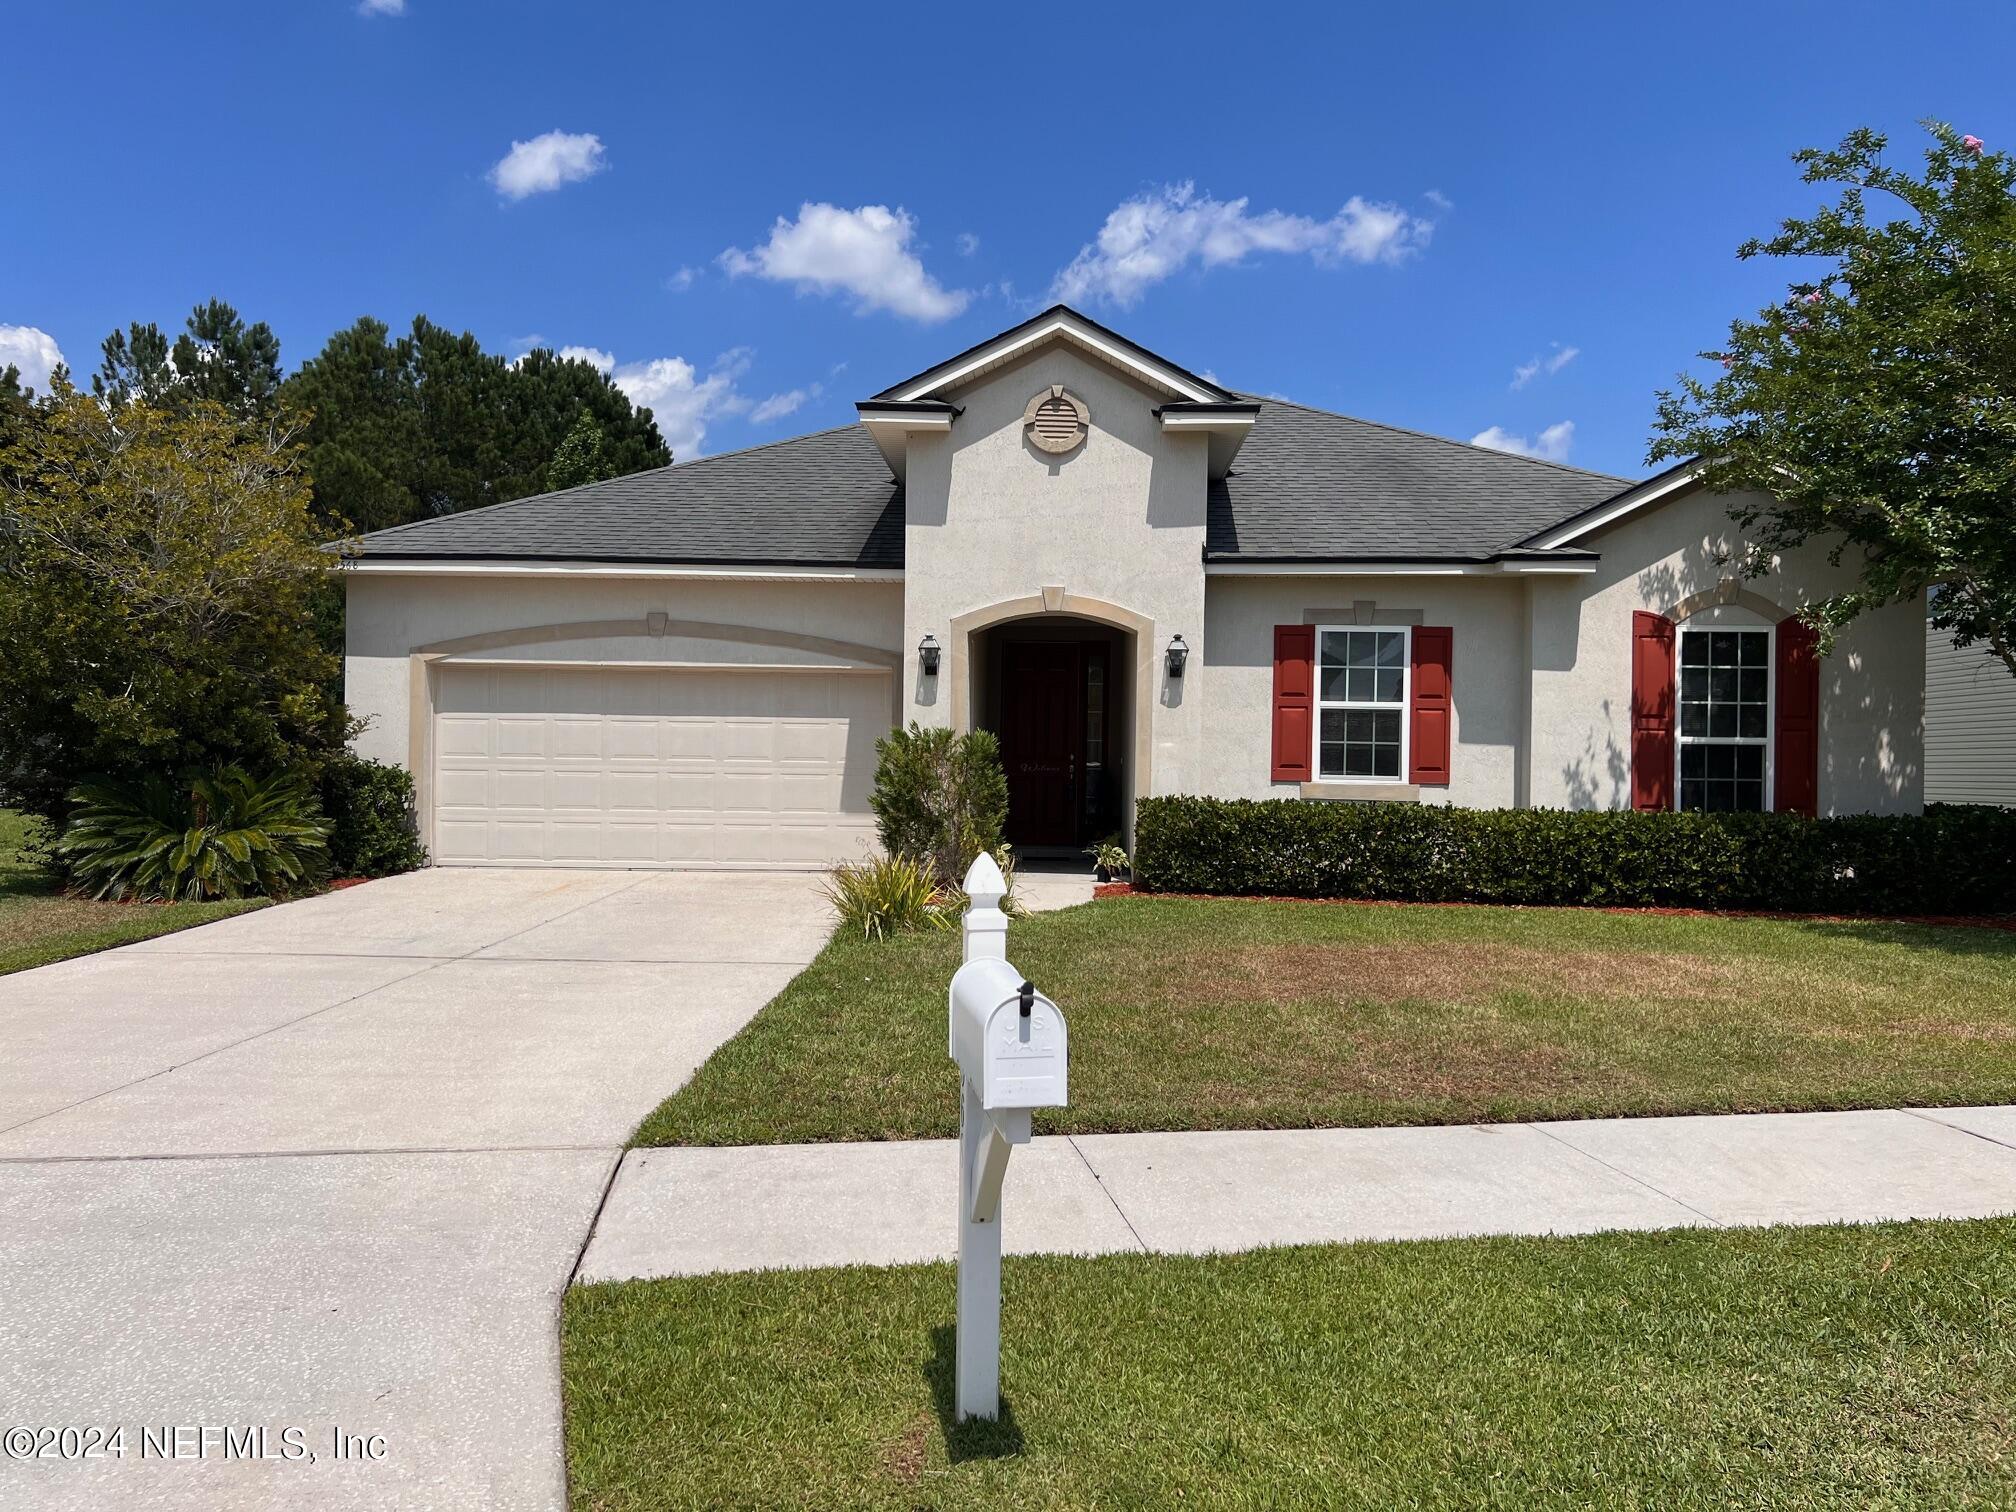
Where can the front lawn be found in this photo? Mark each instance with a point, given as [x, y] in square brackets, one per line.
[1218, 1014]
[1765, 1367]
[38, 925]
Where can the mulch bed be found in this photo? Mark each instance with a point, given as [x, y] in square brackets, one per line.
[1953, 921]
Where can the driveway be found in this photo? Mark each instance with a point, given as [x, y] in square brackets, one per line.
[328, 1167]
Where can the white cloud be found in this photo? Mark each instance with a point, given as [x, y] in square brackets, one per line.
[381, 7]
[1439, 200]
[1549, 363]
[864, 252]
[596, 358]
[681, 400]
[968, 244]
[777, 406]
[33, 351]
[1551, 445]
[1153, 236]
[683, 280]
[546, 162]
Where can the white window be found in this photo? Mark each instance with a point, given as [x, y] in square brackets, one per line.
[1725, 718]
[1361, 704]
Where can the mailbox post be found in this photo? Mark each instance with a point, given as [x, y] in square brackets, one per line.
[1010, 1045]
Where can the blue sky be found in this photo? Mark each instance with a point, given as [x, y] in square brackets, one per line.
[1390, 211]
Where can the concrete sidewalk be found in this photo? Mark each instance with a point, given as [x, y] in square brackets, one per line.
[689, 1211]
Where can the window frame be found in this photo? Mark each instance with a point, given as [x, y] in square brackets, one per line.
[1707, 624]
[1404, 708]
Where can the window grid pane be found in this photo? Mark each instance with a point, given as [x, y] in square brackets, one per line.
[1362, 688]
[1725, 690]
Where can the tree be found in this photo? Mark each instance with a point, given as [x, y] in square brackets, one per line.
[579, 458]
[1875, 407]
[158, 568]
[217, 358]
[430, 424]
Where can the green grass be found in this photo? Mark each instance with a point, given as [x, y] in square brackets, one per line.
[1826, 1367]
[38, 925]
[1202, 1014]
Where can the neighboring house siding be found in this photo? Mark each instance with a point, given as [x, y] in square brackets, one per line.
[1970, 724]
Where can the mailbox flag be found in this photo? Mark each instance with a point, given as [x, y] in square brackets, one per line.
[1651, 711]
[1294, 701]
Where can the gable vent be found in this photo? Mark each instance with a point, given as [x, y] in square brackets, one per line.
[1056, 421]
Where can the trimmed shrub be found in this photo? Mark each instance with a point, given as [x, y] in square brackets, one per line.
[890, 895]
[939, 798]
[222, 834]
[1953, 859]
[373, 831]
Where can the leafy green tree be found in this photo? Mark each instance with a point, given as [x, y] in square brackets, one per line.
[1875, 407]
[217, 358]
[158, 575]
[579, 457]
[430, 424]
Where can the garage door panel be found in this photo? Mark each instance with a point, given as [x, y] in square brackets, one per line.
[600, 767]
[515, 737]
[632, 739]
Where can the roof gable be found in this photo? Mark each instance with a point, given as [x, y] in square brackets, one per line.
[1058, 323]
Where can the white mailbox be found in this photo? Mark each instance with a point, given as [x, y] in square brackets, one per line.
[1014, 1054]
[1009, 1039]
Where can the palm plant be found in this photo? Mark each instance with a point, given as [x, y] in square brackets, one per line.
[221, 834]
[888, 895]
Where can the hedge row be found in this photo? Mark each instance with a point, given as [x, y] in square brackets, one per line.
[1954, 859]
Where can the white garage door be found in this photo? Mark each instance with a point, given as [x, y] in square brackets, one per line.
[617, 767]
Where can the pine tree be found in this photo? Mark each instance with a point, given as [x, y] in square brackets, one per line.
[430, 424]
[217, 358]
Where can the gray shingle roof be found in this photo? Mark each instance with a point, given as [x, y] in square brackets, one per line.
[1307, 485]
[1310, 485]
[823, 500]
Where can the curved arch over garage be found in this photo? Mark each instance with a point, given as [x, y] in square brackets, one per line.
[657, 626]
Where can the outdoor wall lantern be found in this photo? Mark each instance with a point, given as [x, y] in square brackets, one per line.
[1178, 654]
[927, 655]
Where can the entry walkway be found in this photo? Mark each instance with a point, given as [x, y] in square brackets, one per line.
[688, 1211]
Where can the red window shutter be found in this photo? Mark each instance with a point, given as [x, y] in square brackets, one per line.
[1428, 739]
[1294, 701]
[1651, 711]
[1797, 758]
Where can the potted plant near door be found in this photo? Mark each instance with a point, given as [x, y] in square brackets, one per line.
[1109, 861]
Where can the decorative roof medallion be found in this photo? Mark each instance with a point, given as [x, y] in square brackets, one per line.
[1056, 421]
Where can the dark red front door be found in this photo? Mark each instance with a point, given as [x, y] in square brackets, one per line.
[1042, 738]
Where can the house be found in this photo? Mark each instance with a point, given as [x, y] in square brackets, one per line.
[1970, 724]
[1144, 583]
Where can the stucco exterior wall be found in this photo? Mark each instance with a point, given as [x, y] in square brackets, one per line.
[1872, 689]
[1236, 683]
[991, 519]
[390, 617]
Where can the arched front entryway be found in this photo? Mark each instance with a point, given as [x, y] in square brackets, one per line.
[1065, 683]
